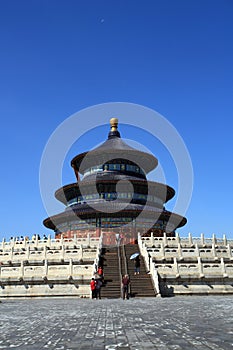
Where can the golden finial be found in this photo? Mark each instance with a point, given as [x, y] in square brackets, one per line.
[114, 124]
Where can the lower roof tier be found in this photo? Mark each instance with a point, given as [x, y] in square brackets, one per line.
[117, 213]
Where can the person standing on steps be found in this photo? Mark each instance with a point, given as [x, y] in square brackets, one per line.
[100, 272]
[137, 265]
[125, 287]
[98, 285]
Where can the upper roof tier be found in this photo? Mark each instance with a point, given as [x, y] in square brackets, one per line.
[114, 148]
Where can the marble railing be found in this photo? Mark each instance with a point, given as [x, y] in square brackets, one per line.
[88, 241]
[197, 269]
[190, 265]
[185, 242]
[62, 254]
[46, 272]
[163, 248]
[51, 259]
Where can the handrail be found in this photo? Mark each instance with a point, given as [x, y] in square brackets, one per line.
[126, 266]
[125, 260]
[99, 250]
[119, 262]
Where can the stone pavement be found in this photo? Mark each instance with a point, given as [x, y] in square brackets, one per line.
[194, 322]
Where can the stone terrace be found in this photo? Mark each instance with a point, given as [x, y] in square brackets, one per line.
[54, 267]
[179, 323]
[64, 267]
[189, 265]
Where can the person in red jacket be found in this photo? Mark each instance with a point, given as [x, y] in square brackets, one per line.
[125, 286]
[100, 272]
[93, 288]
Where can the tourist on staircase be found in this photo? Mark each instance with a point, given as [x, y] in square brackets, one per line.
[137, 265]
[100, 272]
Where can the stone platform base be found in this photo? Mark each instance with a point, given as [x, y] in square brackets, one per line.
[196, 287]
[45, 290]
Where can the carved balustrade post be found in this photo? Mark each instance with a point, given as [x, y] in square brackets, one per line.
[165, 239]
[49, 241]
[162, 251]
[214, 251]
[152, 241]
[177, 238]
[223, 268]
[71, 268]
[214, 240]
[176, 268]
[202, 239]
[190, 239]
[180, 253]
[197, 250]
[200, 267]
[224, 240]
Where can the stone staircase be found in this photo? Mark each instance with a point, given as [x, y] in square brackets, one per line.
[112, 282]
[141, 285]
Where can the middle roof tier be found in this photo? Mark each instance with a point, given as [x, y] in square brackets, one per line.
[119, 185]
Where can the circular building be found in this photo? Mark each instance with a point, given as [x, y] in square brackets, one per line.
[112, 195]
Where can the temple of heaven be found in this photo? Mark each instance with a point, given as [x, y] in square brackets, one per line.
[112, 195]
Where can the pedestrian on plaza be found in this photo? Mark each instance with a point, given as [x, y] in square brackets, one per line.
[93, 288]
[125, 287]
[98, 285]
[137, 265]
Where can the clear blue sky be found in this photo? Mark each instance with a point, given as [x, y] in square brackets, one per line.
[58, 57]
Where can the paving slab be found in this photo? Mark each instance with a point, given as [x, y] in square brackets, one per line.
[178, 323]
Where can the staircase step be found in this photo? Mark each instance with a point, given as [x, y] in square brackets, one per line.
[112, 281]
[141, 284]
